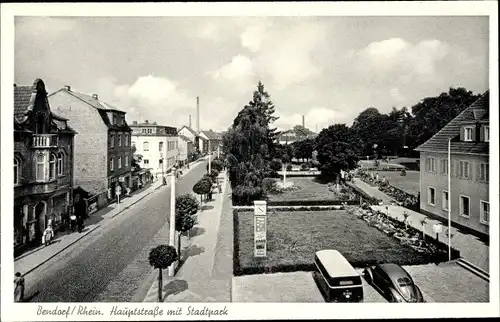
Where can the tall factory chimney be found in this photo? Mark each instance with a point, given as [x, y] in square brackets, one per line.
[198, 114]
[189, 120]
[303, 121]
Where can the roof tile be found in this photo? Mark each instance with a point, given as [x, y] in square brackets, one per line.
[439, 142]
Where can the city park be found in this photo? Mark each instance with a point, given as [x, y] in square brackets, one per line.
[285, 210]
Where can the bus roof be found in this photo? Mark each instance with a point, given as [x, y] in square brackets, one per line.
[335, 263]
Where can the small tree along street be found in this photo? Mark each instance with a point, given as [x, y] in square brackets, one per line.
[161, 257]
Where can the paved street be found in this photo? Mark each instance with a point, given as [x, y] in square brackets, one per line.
[85, 270]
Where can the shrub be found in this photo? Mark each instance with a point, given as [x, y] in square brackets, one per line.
[289, 167]
[304, 167]
[202, 187]
[276, 165]
[269, 185]
[245, 195]
[186, 204]
[218, 165]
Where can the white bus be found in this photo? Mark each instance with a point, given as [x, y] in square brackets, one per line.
[336, 278]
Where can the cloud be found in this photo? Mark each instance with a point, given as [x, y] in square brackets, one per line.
[284, 52]
[238, 75]
[209, 30]
[403, 60]
[316, 116]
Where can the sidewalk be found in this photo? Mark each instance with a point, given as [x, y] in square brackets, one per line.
[199, 279]
[28, 262]
[470, 247]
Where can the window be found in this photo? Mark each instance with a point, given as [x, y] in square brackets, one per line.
[160, 146]
[16, 171]
[111, 164]
[119, 162]
[486, 134]
[40, 167]
[445, 200]
[52, 166]
[464, 206]
[146, 161]
[126, 160]
[119, 140]
[485, 212]
[126, 139]
[431, 164]
[463, 170]
[468, 130]
[484, 172]
[60, 164]
[444, 166]
[112, 141]
[431, 196]
[145, 146]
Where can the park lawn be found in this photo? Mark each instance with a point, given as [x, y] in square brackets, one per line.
[309, 190]
[293, 238]
[409, 183]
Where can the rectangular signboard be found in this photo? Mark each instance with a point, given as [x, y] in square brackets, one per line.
[260, 228]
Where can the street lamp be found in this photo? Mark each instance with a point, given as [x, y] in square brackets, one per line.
[449, 199]
[171, 268]
[209, 158]
[164, 181]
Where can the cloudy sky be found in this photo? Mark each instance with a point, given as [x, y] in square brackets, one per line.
[327, 68]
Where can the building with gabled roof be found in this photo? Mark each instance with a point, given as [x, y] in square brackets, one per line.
[103, 154]
[188, 132]
[186, 148]
[469, 133]
[214, 140]
[42, 168]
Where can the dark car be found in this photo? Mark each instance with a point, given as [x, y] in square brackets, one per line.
[393, 282]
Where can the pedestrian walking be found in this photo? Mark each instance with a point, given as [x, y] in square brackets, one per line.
[18, 287]
[48, 234]
[80, 211]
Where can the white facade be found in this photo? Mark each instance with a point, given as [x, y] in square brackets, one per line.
[188, 133]
[183, 148]
[159, 151]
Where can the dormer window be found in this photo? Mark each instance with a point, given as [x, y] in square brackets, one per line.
[486, 134]
[468, 133]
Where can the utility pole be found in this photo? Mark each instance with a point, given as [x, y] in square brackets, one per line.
[209, 158]
[171, 268]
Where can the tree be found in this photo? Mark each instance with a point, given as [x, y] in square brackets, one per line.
[276, 165]
[433, 113]
[136, 160]
[186, 207]
[337, 148]
[202, 187]
[367, 127]
[161, 257]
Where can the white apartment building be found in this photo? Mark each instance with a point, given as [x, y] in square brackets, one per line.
[157, 144]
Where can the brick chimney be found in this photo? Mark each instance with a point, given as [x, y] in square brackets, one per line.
[94, 96]
[68, 88]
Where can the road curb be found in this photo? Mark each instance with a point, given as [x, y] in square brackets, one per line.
[63, 249]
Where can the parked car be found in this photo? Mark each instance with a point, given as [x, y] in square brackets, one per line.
[393, 282]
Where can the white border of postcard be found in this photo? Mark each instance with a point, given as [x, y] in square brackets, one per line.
[28, 311]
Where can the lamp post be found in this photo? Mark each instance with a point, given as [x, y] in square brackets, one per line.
[209, 158]
[171, 268]
[449, 199]
[162, 172]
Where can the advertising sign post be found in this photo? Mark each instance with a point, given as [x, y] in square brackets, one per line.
[260, 228]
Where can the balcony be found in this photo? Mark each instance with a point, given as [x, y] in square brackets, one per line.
[45, 140]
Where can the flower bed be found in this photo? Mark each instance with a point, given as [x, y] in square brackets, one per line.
[404, 233]
[402, 198]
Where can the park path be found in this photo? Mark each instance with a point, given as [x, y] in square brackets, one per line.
[471, 247]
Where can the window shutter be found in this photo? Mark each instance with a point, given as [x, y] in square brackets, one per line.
[453, 169]
[478, 171]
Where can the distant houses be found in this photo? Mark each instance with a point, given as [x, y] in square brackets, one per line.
[470, 135]
[157, 144]
[42, 168]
